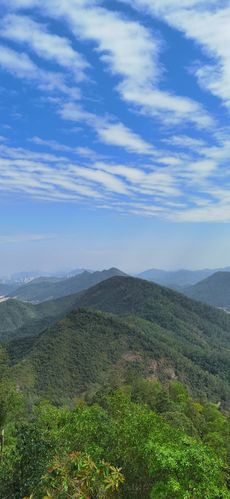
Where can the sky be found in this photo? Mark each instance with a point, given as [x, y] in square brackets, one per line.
[114, 134]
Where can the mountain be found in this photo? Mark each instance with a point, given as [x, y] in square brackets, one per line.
[215, 290]
[65, 274]
[6, 288]
[43, 289]
[19, 319]
[179, 278]
[24, 277]
[127, 325]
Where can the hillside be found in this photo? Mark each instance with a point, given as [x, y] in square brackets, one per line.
[215, 290]
[177, 279]
[43, 289]
[13, 315]
[19, 319]
[159, 333]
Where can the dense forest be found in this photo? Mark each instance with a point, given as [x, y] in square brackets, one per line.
[139, 439]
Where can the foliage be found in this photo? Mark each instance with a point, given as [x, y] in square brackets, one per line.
[78, 476]
[121, 447]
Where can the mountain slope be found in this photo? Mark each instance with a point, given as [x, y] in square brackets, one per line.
[43, 289]
[215, 290]
[13, 315]
[158, 333]
[19, 319]
[132, 296]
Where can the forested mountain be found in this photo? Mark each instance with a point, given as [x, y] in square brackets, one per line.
[156, 330]
[214, 290]
[43, 289]
[177, 279]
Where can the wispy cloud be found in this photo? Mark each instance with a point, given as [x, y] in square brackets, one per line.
[146, 190]
[20, 65]
[108, 131]
[46, 45]
[184, 141]
[22, 238]
[84, 152]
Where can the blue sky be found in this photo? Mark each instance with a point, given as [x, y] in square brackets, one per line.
[114, 133]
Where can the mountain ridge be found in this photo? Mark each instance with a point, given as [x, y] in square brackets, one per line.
[42, 289]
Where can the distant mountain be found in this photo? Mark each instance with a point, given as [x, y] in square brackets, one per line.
[215, 290]
[49, 288]
[27, 276]
[179, 278]
[65, 274]
[24, 277]
[155, 332]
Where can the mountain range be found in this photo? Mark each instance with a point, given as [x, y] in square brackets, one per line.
[178, 279]
[120, 327]
[48, 288]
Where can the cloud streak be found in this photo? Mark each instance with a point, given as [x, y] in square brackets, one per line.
[46, 45]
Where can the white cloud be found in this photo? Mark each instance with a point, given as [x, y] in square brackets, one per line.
[31, 173]
[84, 152]
[168, 107]
[186, 191]
[20, 65]
[181, 184]
[109, 132]
[47, 45]
[184, 141]
[132, 52]
[118, 134]
[211, 30]
[207, 23]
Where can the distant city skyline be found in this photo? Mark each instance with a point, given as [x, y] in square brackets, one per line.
[114, 134]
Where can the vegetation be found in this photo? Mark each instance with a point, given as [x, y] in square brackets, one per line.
[142, 439]
[20, 319]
